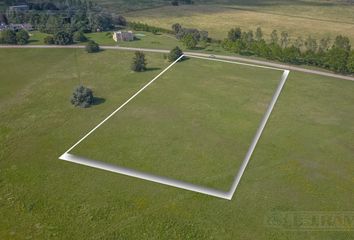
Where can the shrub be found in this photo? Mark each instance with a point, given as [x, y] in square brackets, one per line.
[82, 97]
[174, 54]
[139, 62]
[22, 37]
[63, 38]
[189, 41]
[8, 37]
[92, 47]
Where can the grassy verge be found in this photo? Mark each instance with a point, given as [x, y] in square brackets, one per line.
[303, 161]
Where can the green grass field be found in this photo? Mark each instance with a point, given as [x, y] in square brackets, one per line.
[299, 18]
[303, 161]
[195, 123]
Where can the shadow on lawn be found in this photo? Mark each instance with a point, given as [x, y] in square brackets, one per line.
[98, 101]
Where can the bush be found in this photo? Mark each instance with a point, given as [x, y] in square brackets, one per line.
[175, 54]
[8, 37]
[22, 37]
[189, 41]
[63, 38]
[139, 62]
[92, 47]
[82, 97]
[49, 40]
[79, 37]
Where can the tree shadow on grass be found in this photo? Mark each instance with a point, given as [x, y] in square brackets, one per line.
[98, 101]
[152, 69]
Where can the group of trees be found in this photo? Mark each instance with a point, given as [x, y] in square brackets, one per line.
[336, 55]
[190, 37]
[69, 16]
[9, 36]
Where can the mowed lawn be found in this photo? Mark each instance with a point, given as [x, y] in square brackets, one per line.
[303, 162]
[195, 123]
[299, 18]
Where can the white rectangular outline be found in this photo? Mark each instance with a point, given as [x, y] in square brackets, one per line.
[172, 182]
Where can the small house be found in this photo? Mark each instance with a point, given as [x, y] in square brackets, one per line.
[123, 36]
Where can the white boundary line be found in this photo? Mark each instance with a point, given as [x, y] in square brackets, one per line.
[171, 182]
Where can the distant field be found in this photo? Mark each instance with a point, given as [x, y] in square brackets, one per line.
[194, 124]
[303, 162]
[316, 18]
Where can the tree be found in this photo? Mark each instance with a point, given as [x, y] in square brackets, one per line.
[274, 37]
[49, 40]
[63, 38]
[82, 97]
[92, 47]
[324, 44]
[337, 59]
[22, 37]
[174, 54]
[350, 64]
[79, 37]
[8, 37]
[174, 3]
[234, 34]
[189, 41]
[311, 44]
[176, 27]
[259, 34]
[284, 39]
[342, 42]
[139, 62]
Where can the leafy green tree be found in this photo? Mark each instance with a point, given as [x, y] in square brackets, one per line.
[337, 59]
[189, 41]
[92, 47]
[139, 62]
[350, 64]
[234, 34]
[63, 38]
[79, 36]
[82, 97]
[176, 27]
[8, 37]
[174, 54]
[22, 37]
[342, 42]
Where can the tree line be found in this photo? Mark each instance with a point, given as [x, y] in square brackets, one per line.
[335, 55]
[70, 16]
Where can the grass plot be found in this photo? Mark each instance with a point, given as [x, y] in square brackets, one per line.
[194, 124]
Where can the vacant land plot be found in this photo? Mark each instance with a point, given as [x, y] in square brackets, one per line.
[195, 123]
[303, 162]
[298, 19]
